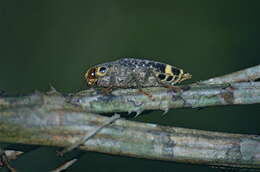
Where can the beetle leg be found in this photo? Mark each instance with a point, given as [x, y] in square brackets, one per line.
[135, 79]
[107, 90]
[172, 87]
[146, 93]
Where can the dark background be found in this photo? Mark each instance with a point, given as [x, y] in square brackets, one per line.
[55, 42]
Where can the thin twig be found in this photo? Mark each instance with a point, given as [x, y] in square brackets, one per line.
[13, 154]
[65, 166]
[89, 135]
[5, 158]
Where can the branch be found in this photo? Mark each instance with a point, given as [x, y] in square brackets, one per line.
[136, 139]
[249, 74]
[197, 95]
[60, 120]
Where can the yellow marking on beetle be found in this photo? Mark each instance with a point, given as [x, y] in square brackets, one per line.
[168, 69]
[179, 77]
[181, 72]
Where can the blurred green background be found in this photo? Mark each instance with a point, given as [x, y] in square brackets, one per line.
[55, 42]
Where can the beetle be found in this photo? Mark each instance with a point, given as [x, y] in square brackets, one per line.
[134, 73]
[131, 73]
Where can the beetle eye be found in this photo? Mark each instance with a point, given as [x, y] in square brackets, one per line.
[102, 70]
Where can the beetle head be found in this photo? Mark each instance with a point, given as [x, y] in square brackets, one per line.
[94, 73]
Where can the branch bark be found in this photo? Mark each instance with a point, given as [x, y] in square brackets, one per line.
[60, 120]
[196, 95]
[249, 74]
